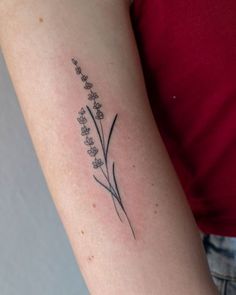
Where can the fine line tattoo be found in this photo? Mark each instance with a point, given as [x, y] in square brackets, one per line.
[93, 114]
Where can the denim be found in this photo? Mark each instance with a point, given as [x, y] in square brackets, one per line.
[221, 256]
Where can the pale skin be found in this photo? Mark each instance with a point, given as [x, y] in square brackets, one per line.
[38, 40]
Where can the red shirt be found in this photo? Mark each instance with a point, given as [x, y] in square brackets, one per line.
[188, 52]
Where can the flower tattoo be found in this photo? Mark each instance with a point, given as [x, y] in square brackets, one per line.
[89, 117]
[97, 163]
[92, 151]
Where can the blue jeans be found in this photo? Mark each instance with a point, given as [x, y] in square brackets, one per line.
[221, 256]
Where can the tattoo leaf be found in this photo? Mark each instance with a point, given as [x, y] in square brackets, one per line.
[109, 136]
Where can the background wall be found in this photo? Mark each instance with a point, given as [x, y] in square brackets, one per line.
[35, 255]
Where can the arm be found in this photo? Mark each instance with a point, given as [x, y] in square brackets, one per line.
[129, 224]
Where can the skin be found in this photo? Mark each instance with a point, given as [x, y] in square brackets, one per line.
[38, 40]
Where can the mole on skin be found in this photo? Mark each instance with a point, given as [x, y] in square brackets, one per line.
[94, 205]
[90, 258]
[155, 211]
[40, 19]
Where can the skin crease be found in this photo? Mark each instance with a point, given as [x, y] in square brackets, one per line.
[38, 40]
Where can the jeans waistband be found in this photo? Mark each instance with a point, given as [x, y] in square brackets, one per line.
[221, 255]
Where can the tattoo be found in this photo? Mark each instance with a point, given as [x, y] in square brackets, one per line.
[91, 116]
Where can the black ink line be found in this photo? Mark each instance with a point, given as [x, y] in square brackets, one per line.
[115, 193]
[102, 184]
[121, 203]
[110, 133]
[114, 177]
[103, 138]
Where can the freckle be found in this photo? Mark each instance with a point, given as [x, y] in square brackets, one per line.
[133, 166]
[90, 258]
[82, 232]
[156, 205]
[155, 212]
[40, 19]
[152, 184]
[94, 205]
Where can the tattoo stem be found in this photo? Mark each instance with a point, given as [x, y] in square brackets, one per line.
[112, 189]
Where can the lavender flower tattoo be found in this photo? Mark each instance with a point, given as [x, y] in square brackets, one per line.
[107, 177]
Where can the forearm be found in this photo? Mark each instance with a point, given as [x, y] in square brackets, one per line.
[155, 249]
